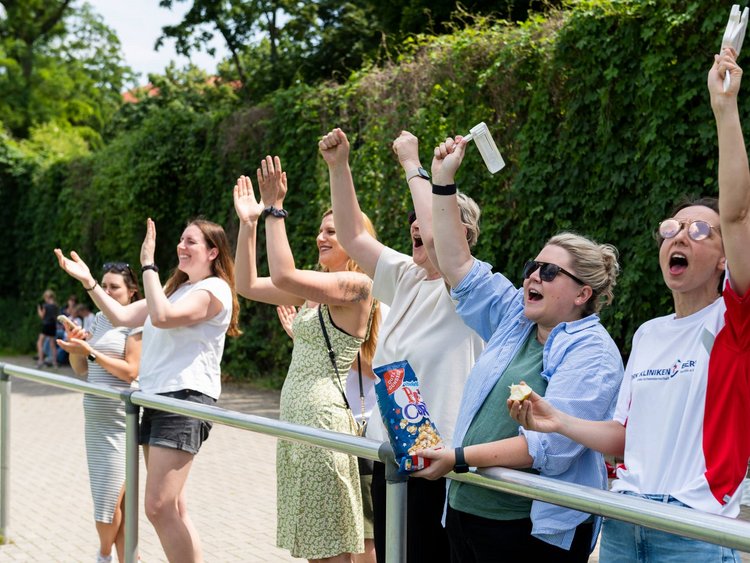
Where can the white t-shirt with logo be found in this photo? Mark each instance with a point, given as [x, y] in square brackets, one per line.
[683, 402]
[187, 357]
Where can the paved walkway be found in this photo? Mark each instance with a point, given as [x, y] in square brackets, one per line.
[231, 489]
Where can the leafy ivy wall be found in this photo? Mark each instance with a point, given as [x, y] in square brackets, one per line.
[601, 112]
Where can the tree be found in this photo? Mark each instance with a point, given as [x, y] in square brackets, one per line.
[27, 24]
[237, 22]
[60, 65]
[419, 16]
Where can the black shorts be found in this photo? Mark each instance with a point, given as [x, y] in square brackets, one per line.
[176, 431]
[49, 329]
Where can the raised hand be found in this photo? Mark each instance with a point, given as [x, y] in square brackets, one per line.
[149, 243]
[535, 414]
[271, 181]
[286, 315]
[406, 147]
[75, 267]
[247, 207]
[335, 148]
[723, 63]
[447, 158]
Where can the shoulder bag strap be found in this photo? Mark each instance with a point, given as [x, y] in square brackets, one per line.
[332, 355]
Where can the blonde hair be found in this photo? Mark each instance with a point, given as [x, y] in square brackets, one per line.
[222, 267]
[595, 264]
[48, 294]
[470, 214]
[368, 346]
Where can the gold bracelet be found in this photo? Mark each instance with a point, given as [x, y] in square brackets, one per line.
[92, 287]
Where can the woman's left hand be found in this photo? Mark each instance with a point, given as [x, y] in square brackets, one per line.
[272, 181]
[447, 159]
[286, 315]
[725, 62]
[441, 459]
[75, 346]
[149, 243]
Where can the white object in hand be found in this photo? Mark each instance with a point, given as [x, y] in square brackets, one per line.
[520, 392]
[487, 147]
[735, 34]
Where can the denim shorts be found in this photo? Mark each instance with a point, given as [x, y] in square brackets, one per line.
[623, 542]
[176, 431]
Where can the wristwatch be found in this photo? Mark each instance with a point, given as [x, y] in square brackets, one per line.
[149, 267]
[421, 172]
[271, 210]
[460, 466]
[91, 357]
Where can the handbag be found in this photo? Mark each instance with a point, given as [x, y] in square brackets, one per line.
[365, 465]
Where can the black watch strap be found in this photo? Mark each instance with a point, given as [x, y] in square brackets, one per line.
[271, 210]
[91, 357]
[460, 466]
[149, 267]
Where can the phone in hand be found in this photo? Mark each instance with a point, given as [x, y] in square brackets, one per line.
[66, 322]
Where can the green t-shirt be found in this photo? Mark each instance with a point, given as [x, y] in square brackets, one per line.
[493, 422]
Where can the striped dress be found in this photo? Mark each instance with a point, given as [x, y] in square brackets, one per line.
[105, 421]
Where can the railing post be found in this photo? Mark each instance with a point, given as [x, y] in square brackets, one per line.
[395, 508]
[4, 454]
[131, 477]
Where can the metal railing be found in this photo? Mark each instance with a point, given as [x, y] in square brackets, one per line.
[668, 518]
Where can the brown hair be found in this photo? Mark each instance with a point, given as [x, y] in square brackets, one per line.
[128, 277]
[368, 346]
[222, 267]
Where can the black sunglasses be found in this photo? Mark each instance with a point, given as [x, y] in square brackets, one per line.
[547, 271]
[121, 267]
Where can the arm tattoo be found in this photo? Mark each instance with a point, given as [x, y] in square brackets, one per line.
[354, 290]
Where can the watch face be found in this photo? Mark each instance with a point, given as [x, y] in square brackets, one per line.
[423, 173]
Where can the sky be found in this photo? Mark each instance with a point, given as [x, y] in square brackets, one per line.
[138, 24]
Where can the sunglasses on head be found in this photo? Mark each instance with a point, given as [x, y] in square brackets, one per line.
[121, 267]
[696, 229]
[547, 271]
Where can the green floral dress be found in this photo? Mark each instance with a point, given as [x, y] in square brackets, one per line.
[318, 495]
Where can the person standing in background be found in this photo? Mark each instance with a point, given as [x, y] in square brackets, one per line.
[47, 311]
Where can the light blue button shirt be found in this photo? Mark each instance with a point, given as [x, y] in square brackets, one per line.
[583, 367]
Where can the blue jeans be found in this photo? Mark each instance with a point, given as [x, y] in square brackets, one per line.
[623, 542]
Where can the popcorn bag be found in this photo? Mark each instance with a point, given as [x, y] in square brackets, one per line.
[405, 415]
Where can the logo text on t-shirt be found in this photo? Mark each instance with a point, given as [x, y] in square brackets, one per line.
[661, 374]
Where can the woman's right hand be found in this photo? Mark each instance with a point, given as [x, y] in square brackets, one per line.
[75, 267]
[247, 207]
[335, 148]
[76, 332]
[535, 414]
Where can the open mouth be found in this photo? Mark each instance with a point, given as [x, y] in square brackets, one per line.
[678, 263]
[417, 241]
[534, 295]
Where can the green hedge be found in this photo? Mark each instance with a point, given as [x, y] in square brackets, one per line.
[601, 112]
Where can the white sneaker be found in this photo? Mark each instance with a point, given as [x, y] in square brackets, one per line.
[102, 559]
